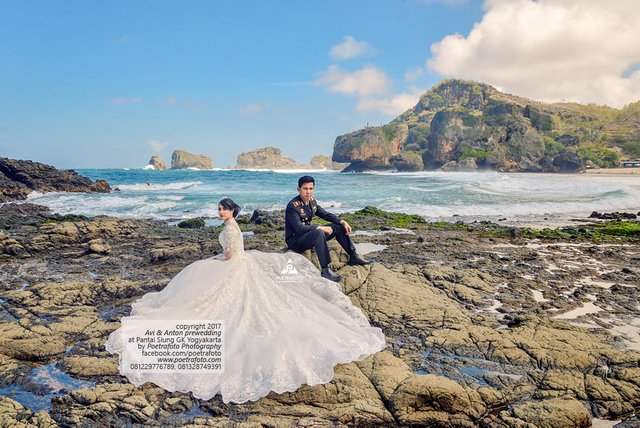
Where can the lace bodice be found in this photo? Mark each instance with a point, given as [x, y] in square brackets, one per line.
[231, 238]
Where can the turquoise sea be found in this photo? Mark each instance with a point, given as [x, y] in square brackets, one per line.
[178, 194]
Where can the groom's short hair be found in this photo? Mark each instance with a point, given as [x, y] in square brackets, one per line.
[306, 179]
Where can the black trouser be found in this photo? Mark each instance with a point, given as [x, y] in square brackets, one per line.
[317, 240]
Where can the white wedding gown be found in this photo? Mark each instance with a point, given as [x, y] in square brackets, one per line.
[278, 335]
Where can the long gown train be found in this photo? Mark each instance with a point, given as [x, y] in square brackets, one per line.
[284, 325]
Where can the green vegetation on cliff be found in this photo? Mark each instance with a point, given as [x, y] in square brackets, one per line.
[456, 120]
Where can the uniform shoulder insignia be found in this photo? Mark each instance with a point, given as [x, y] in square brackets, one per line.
[296, 203]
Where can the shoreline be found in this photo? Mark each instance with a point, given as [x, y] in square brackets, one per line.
[536, 221]
[612, 171]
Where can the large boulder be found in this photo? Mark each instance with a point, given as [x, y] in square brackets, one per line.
[157, 163]
[568, 161]
[18, 178]
[407, 161]
[181, 159]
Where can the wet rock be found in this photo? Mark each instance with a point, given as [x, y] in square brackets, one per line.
[553, 413]
[99, 247]
[109, 404]
[268, 218]
[14, 414]
[613, 216]
[89, 367]
[192, 223]
[18, 178]
[162, 254]
[452, 358]
[466, 285]
[422, 399]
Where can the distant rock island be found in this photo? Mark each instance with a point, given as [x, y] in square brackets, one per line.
[463, 125]
[181, 159]
[18, 178]
[272, 158]
[157, 163]
[322, 161]
[263, 158]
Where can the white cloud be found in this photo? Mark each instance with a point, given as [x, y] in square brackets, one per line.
[122, 101]
[372, 88]
[414, 74]
[366, 81]
[157, 145]
[576, 50]
[252, 108]
[182, 102]
[350, 48]
[392, 105]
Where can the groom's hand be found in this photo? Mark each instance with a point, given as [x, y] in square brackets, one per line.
[346, 226]
[326, 229]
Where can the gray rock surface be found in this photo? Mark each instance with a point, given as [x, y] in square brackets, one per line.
[181, 159]
[18, 178]
[470, 343]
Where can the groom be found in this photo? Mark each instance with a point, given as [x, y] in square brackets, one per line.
[300, 234]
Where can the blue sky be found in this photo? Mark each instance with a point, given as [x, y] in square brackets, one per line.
[110, 83]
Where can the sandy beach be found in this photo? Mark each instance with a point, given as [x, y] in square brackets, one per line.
[613, 171]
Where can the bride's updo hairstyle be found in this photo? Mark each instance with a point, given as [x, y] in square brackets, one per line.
[230, 205]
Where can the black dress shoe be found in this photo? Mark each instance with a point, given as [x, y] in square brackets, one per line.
[330, 275]
[356, 259]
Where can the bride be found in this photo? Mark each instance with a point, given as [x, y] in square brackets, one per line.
[284, 325]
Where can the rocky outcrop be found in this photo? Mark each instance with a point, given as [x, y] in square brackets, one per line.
[181, 159]
[265, 158]
[454, 357]
[18, 178]
[370, 148]
[157, 163]
[567, 161]
[407, 161]
[322, 161]
[457, 120]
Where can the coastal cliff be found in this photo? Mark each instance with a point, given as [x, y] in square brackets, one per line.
[463, 125]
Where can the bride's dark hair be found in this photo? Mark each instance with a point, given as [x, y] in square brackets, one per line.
[229, 204]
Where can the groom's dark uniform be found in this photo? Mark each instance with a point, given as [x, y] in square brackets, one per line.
[300, 234]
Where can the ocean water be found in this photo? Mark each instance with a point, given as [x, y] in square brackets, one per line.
[518, 197]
